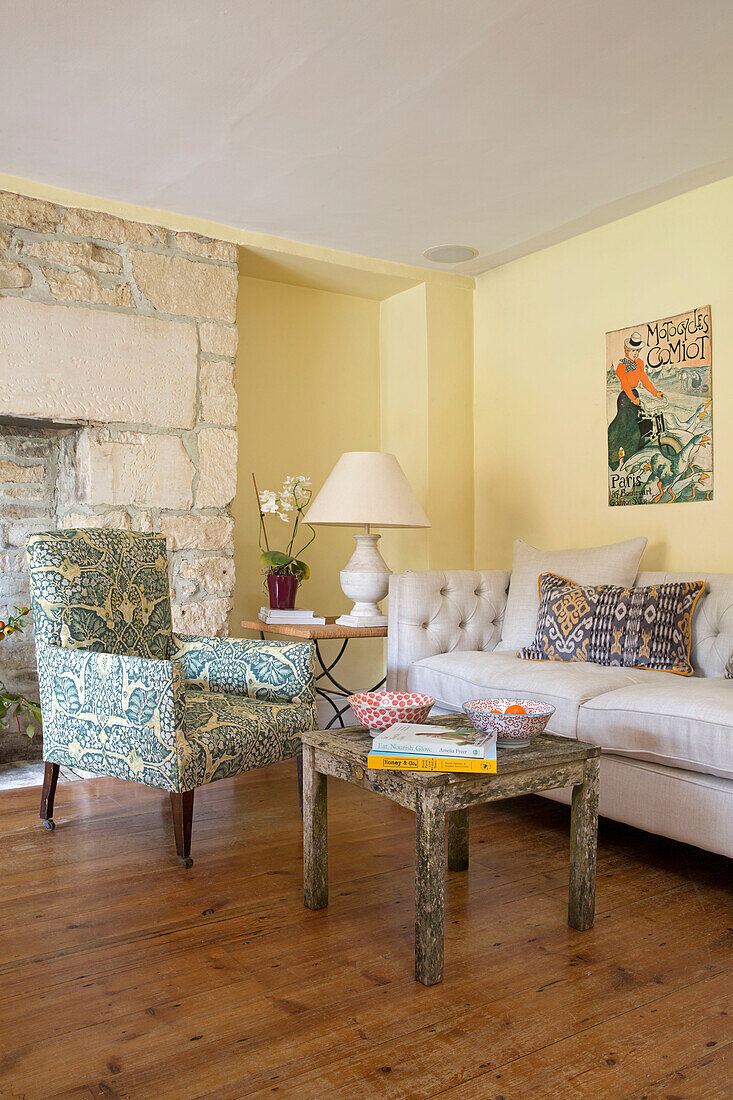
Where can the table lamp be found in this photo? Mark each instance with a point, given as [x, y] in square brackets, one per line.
[366, 489]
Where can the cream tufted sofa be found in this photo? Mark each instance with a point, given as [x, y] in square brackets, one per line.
[668, 740]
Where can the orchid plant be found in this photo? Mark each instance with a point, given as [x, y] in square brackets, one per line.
[289, 504]
[12, 703]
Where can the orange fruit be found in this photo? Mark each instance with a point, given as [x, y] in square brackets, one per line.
[515, 708]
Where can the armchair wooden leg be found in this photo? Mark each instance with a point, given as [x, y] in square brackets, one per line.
[182, 806]
[300, 781]
[50, 779]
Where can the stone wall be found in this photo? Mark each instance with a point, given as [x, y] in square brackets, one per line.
[117, 401]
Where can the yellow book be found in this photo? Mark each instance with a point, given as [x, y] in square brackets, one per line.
[385, 762]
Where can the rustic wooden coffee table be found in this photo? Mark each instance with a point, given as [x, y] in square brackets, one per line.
[445, 798]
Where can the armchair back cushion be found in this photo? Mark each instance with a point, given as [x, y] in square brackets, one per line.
[105, 591]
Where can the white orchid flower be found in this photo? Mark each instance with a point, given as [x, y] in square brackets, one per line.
[295, 495]
[302, 490]
[268, 501]
[285, 507]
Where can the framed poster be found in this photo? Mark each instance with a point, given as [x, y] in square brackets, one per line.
[659, 409]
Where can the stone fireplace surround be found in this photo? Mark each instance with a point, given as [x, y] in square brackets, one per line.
[117, 402]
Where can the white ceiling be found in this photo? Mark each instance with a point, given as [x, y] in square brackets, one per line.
[376, 126]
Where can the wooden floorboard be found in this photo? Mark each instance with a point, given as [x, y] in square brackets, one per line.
[123, 975]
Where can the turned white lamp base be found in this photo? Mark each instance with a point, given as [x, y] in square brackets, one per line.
[365, 580]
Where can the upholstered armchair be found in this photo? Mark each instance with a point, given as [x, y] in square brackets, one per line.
[123, 696]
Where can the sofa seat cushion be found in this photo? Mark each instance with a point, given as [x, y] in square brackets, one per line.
[684, 724]
[454, 678]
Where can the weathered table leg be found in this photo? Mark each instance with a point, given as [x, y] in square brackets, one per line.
[583, 844]
[315, 833]
[429, 885]
[457, 826]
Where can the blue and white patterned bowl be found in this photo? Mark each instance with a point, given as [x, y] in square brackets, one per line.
[512, 730]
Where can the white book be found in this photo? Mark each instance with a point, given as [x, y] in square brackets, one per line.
[424, 740]
[276, 613]
[306, 620]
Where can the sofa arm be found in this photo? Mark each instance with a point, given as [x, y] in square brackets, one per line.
[121, 716]
[437, 612]
[275, 672]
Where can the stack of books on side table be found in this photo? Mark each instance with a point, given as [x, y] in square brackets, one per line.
[423, 748]
[299, 617]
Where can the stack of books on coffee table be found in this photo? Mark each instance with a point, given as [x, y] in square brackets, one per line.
[423, 748]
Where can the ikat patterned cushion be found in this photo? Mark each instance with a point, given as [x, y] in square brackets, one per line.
[608, 625]
[729, 668]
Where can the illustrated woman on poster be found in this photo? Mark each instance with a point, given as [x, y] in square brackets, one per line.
[630, 428]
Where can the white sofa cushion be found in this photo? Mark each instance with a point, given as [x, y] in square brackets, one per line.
[614, 564]
[454, 678]
[683, 724]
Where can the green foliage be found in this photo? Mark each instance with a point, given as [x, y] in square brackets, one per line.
[283, 565]
[274, 560]
[12, 703]
[303, 569]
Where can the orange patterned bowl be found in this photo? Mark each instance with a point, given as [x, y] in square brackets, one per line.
[514, 721]
[378, 710]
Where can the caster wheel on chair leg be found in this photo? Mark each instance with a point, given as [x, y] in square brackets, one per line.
[50, 824]
[186, 861]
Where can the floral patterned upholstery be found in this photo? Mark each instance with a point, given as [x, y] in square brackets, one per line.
[120, 716]
[101, 590]
[278, 672]
[229, 734]
[121, 695]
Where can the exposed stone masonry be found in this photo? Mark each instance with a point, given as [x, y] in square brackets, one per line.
[124, 335]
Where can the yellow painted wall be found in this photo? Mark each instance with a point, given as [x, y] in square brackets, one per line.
[450, 426]
[308, 387]
[540, 421]
[404, 404]
[427, 420]
[320, 373]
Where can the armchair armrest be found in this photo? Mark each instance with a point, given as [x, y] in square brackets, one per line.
[118, 715]
[275, 672]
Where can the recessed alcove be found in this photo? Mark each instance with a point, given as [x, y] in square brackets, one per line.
[338, 357]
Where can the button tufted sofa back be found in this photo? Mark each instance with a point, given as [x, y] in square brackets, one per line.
[712, 624]
[436, 612]
[439, 612]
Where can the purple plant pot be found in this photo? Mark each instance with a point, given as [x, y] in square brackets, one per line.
[282, 591]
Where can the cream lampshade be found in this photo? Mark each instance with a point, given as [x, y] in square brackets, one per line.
[366, 489]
